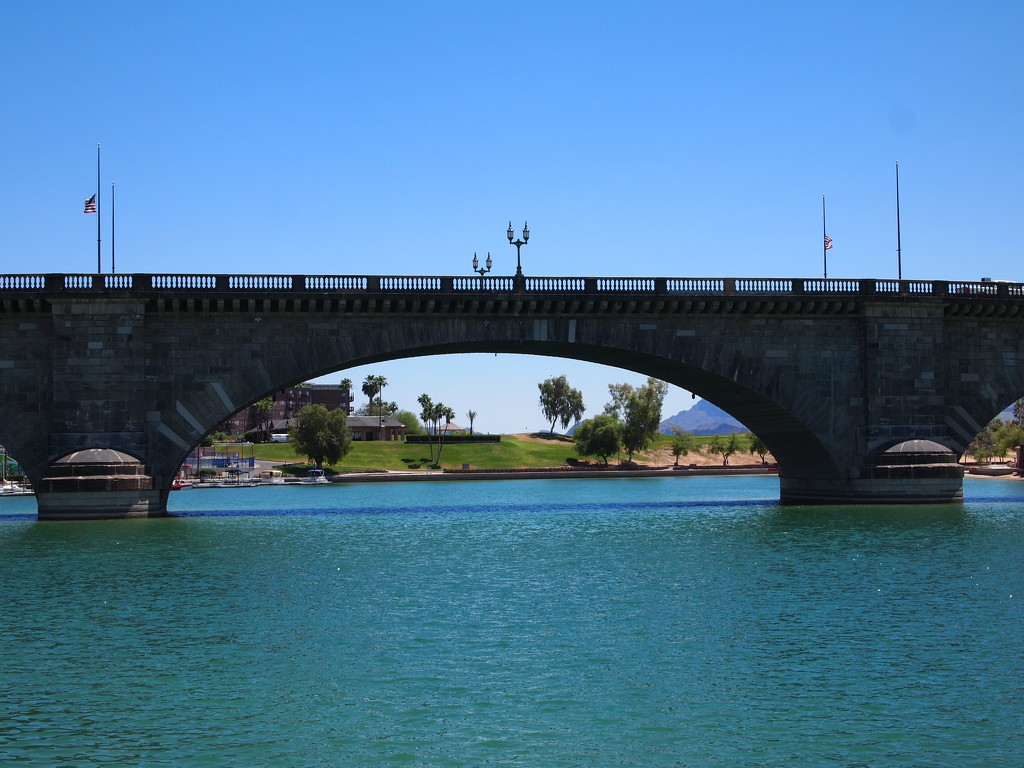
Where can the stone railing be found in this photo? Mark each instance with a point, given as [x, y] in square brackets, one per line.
[146, 284]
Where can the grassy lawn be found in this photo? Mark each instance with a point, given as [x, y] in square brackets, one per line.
[510, 453]
[513, 452]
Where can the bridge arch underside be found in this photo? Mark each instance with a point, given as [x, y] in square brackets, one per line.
[792, 442]
[793, 406]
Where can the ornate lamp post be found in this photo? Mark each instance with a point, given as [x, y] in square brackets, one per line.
[482, 270]
[518, 244]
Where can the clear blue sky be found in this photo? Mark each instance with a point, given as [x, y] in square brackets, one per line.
[654, 138]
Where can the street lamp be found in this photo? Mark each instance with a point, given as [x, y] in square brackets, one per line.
[518, 244]
[482, 270]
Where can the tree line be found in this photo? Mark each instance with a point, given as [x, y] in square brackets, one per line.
[323, 436]
[630, 422]
[999, 437]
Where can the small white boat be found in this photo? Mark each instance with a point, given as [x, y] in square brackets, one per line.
[236, 478]
[315, 477]
[271, 477]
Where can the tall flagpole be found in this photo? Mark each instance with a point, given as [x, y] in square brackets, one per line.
[99, 218]
[824, 238]
[899, 250]
[113, 232]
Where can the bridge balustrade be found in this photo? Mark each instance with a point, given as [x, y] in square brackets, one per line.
[78, 281]
[887, 286]
[647, 286]
[833, 286]
[763, 286]
[410, 283]
[559, 284]
[332, 283]
[260, 282]
[626, 284]
[183, 282]
[695, 285]
[22, 282]
[118, 281]
[483, 284]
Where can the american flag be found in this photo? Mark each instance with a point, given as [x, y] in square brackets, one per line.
[828, 243]
[90, 205]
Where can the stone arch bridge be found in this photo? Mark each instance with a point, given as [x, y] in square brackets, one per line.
[866, 391]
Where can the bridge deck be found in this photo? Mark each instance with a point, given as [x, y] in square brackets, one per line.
[476, 295]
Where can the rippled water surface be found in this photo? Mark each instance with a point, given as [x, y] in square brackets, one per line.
[662, 622]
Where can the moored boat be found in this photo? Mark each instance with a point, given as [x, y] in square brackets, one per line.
[271, 477]
[315, 477]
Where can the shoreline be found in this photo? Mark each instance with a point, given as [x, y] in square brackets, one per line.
[545, 474]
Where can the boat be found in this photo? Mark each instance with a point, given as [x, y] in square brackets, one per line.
[315, 477]
[8, 488]
[180, 483]
[237, 478]
[991, 470]
[271, 477]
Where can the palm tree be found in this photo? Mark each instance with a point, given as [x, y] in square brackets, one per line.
[427, 414]
[372, 387]
[264, 407]
[446, 413]
[471, 415]
[346, 387]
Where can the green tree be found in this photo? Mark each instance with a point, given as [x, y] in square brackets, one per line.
[346, 387]
[729, 447]
[433, 415]
[599, 436]
[263, 409]
[428, 412]
[373, 386]
[681, 444]
[411, 422]
[560, 402]
[715, 446]
[1010, 434]
[1018, 412]
[758, 446]
[321, 435]
[983, 447]
[471, 415]
[445, 414]
[1005, 436]
[640, 411]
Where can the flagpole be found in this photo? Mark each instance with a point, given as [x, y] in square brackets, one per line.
[899, 250]
[113, 233]
[99, 218]
[824, 240]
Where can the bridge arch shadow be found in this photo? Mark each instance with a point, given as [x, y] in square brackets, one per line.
[791, 441]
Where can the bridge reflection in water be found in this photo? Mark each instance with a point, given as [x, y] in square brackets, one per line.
[865, 390]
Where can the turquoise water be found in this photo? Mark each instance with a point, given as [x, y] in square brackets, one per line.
[662, 623]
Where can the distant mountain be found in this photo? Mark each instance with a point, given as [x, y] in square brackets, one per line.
[703, 419]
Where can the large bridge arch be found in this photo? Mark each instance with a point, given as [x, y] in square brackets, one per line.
[792, 442]
[763, 391]
[833, 375]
